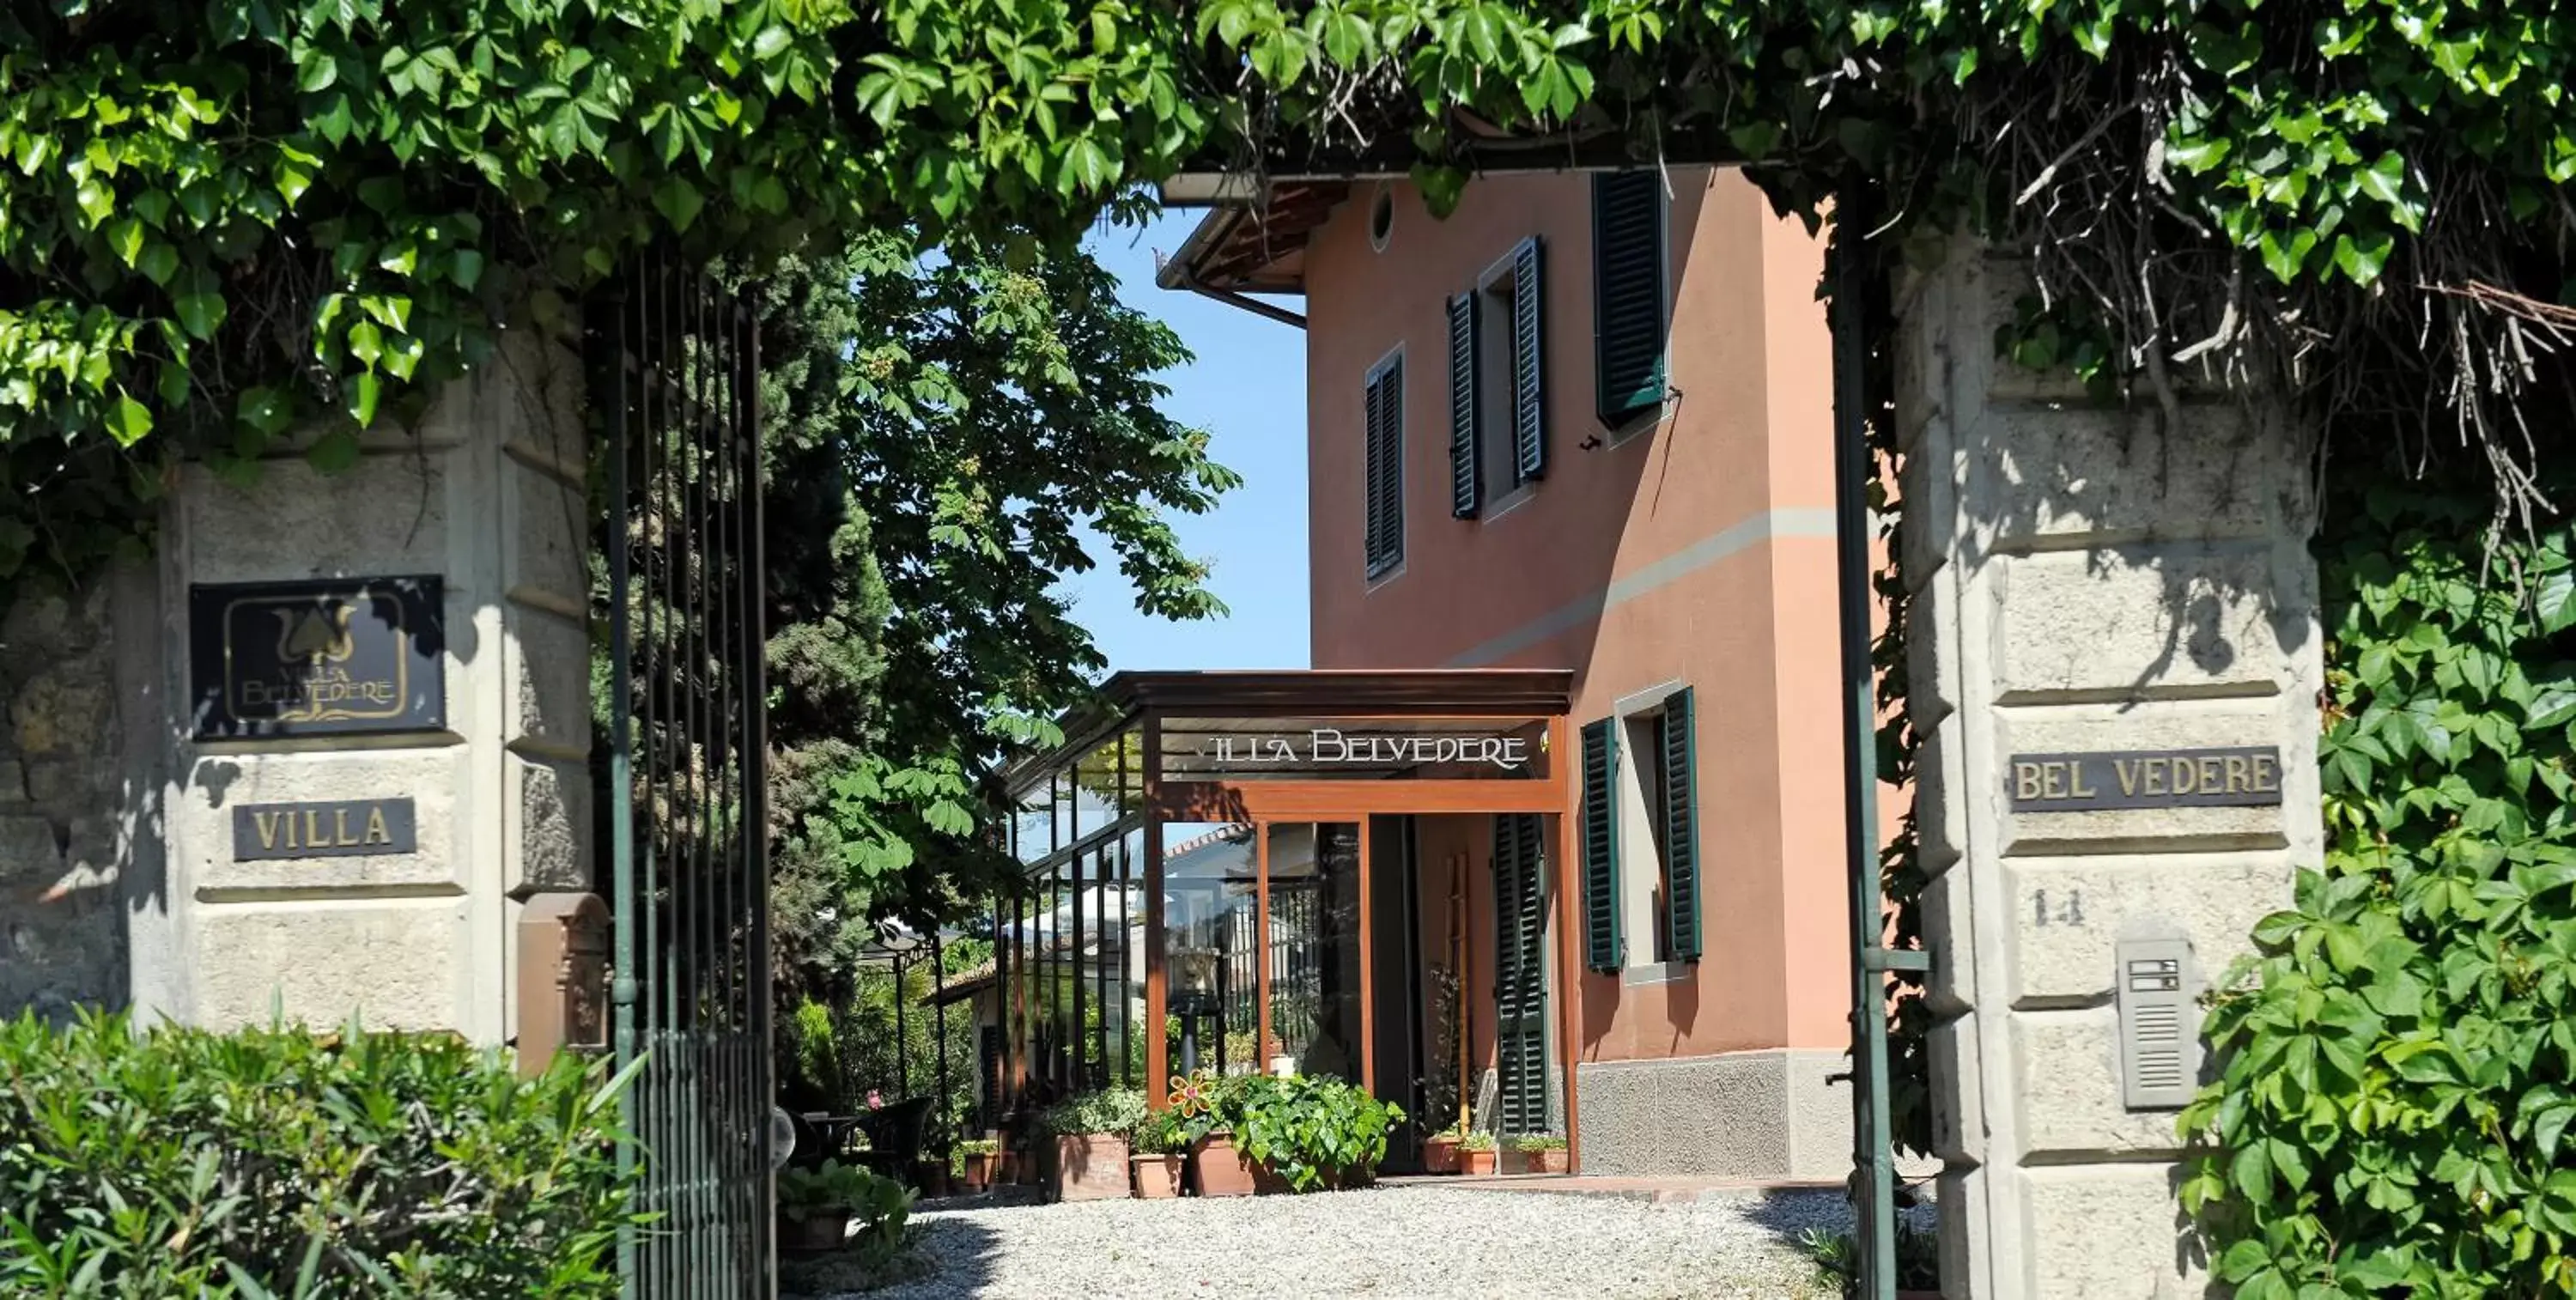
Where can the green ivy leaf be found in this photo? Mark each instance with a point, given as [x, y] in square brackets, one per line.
[264, 410]
[128, 421]
[2553, 601]
[364, 391]
[2361, 260]
[199, 304]
[679, 202]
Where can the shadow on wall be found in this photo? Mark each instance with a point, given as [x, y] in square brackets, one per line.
[2098, 476]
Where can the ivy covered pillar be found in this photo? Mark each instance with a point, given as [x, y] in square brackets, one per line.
[2114, 673]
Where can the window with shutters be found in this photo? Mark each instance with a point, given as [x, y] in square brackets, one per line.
[1629, 309]
[1382, 469]
[1497, 373]
[1643, 792]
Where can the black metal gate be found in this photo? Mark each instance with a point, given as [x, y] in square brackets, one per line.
[676, 360]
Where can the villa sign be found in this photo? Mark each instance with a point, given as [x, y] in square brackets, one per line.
[1331, 747]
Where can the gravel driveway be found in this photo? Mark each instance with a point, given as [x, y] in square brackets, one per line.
[1418, 1243]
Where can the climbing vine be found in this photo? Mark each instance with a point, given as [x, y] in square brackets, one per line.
[2400, 1060]
[223, 222]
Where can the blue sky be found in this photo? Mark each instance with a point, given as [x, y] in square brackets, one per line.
[1248, 389]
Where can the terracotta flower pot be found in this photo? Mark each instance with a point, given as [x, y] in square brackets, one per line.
[979, 1170]
[1089, 1167]
[1158, 1177]
[1440, 1156]
[1551, 1161]
[1476, 1163]
[814, 1230]
[1218, 1169]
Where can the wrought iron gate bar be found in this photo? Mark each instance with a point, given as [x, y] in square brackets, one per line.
[688, 867]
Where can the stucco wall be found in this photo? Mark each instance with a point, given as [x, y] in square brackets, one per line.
[1697, 550]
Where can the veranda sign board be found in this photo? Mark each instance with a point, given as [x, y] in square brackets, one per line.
[1324, 747]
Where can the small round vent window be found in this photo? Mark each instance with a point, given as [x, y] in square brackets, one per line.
[1381, 218]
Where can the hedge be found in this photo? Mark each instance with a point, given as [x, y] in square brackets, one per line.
[177, 1161]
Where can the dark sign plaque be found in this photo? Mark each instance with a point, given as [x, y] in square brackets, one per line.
[2145, 778]
[344, 828]
[313, 658]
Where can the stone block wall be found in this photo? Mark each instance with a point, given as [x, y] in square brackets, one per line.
[65, 784]
[2084, 580]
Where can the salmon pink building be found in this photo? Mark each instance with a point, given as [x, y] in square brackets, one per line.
[1571, 505]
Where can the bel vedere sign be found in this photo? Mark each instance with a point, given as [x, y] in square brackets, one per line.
[2146, 778]
[303, 658]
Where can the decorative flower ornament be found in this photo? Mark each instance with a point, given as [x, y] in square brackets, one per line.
[1189, 1096]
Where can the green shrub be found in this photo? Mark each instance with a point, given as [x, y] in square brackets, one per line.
[1317, 1133]
[1476, 1142]
[2398, 1066]
[179, 1162]
[1538, 1142]
[1836, 1256]
[1115, 1111]
[853, 1189]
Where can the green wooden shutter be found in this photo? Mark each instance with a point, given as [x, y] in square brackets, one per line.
[1384, 490]
[1520, 975]
[1601, 845]
[1466, 493]
[1681, 830]
[1529, 368]
[1627, 294]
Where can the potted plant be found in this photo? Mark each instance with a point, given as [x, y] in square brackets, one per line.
[1313, 1134]
[1216, 1167]
[1160, 1141]
[976, 1159]
[1089, 1135]
[930, 1174]
[1476, 1154]
[1542, 1153]
[815, 1205]
[1440, 1150]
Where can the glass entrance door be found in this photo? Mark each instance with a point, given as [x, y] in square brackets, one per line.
[1316, 947]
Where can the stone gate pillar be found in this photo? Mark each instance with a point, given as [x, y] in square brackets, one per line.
[373, 854]
[2114, 670]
